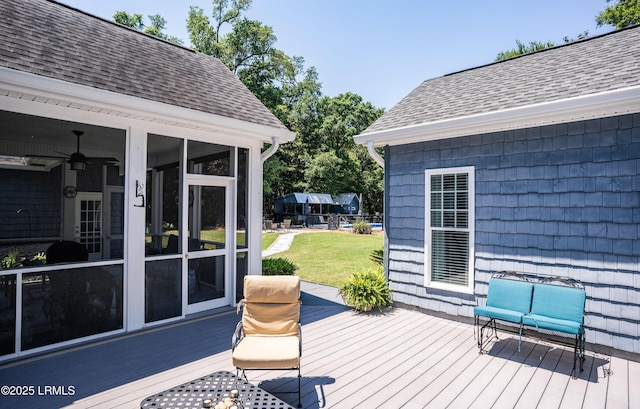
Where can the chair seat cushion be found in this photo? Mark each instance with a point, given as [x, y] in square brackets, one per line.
[267, 352]
[552, 324]
[498, 313]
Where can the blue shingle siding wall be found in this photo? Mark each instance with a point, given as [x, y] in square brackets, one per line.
[44, 188]
[561, 199]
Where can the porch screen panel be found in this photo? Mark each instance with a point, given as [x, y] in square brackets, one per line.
[448, 227]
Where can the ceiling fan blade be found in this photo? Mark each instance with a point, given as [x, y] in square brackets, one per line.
[103, 159]
[46, 157]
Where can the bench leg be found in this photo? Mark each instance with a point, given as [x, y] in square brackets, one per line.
[491, 324]
[578, 353]
[582, 357]
[520, 336]
[575, 356]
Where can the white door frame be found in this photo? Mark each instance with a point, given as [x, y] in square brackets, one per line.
[229, 248]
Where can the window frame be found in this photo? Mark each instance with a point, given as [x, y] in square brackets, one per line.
[428, 230]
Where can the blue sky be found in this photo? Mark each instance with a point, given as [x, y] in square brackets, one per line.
[382, 50]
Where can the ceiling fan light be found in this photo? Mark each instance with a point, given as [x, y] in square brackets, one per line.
[78, 165]
[78, 161]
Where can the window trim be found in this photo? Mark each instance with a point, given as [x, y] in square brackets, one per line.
[470, 171]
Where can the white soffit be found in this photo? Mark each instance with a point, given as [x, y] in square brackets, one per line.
[601, 105]
[35, 88]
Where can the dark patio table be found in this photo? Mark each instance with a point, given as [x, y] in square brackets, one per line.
[216, 387]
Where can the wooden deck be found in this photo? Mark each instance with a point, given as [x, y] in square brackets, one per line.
[397, 359]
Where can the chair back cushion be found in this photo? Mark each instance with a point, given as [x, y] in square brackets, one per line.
[510, 294]
[271, 319]
[560, 302]
[272, 289]
[272, 305]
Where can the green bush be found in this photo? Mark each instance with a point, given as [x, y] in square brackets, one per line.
[361, 228]
[366, 290]
[11, 260]
[278, 267]
[377, 256]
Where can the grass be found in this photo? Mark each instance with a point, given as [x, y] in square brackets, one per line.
[330, 258]
[325, 258]
[268, 239]
[218, 236]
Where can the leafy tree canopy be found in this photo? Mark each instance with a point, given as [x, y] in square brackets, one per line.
[622, 14]
[523, 49]
[136, 22]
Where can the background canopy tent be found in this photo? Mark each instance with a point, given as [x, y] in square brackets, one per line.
[300, 204]
[346, 203]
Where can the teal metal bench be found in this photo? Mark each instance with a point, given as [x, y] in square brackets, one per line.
[550, 305]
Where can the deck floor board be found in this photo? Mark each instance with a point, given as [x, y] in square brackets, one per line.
[395, 359]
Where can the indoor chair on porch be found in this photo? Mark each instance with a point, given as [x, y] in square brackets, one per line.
[269, 335]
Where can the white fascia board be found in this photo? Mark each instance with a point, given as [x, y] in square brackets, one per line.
[22, 82]
[601, 105]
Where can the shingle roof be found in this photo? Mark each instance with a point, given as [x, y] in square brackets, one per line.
[47, 38]
[603, 63]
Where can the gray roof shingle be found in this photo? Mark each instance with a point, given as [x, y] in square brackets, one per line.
[50, 39]
[604, 63]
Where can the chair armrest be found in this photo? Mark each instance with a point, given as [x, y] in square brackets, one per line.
[237, 336]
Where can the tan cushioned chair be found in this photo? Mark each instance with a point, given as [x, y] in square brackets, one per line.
[269, 335]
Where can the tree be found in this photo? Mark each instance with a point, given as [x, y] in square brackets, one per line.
[130, 20]
[372, 180]
[329, 173]
[622, 14]
[335, 164]
[298, 111]
[344, 117]
[581, 36]
[136, 22]
[523, 49]
[324, 158]
[246, 43]
[205, 36]
[247, 47]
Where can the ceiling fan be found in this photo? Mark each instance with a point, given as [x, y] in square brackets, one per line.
[77, 160]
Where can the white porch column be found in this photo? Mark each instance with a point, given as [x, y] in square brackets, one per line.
[254, 203]
[135, 229]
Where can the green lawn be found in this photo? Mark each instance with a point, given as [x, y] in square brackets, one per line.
[218, 236]
[330, 258]
[268, 239]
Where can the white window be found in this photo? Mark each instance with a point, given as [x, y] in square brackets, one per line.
[449, 228]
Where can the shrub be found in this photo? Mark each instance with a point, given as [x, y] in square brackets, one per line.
[11, 260]
[366, 290]
[377, 256]
[278, 267]
[361, 228]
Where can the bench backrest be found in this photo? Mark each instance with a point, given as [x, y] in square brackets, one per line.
[560, 302]
[510, 294]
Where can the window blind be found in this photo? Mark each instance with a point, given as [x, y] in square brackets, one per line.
[450, 257]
